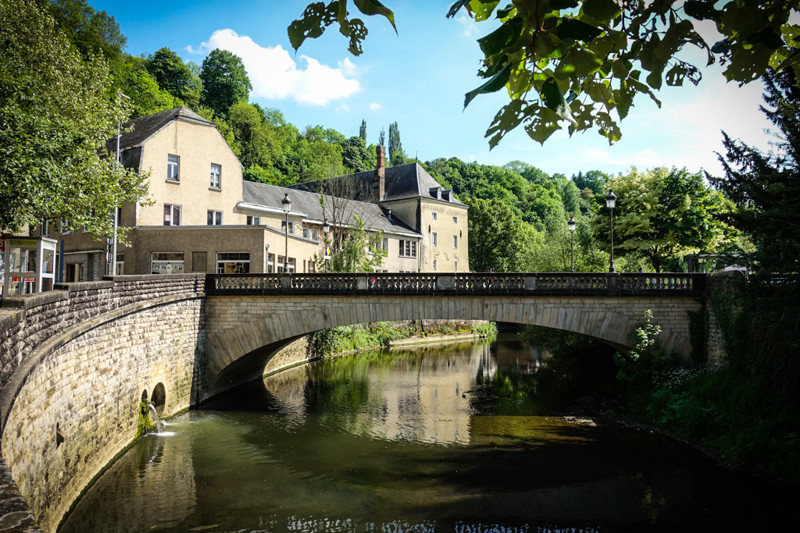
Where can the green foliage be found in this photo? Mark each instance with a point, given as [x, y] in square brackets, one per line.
[138, 85]
[498, 238]
[661, 215]
[581, 64]
[362, 131]
[357, 251]
[55, 116]
[765, 187]
[175, 76]
[396, 154]
[356, 157]
[92, 32]
[317, 17]
[225, 81]
[145, 423]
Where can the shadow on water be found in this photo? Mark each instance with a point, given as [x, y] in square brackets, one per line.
[408, 441]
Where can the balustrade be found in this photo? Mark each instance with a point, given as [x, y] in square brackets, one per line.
[544, 283]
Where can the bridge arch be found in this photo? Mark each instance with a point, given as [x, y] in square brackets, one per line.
[244, 330]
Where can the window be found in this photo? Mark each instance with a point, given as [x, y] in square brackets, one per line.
[120, 264]
[270, 263]
[434, 215]
[305, 233]
[45, 227]
[166, 263]
[253, 220]
[435, 239]
[289, 267]
[172, 215]
[291, 227]
[315, 234]
[434, 264]
[455, 267]
[214, 218]
[199, 261]
[408, 248]
[233, 263]
[455, 220]
[173, 167]
[216, 176]
[455, 241]
[63, 227]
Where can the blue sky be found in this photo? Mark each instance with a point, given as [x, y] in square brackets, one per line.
[418, 79]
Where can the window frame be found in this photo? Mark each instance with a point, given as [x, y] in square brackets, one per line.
[232, 258]
[213, 217]
[215, 184]
[174, 177]
[173, 208]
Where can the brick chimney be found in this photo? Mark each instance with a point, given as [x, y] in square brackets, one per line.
[379, 179]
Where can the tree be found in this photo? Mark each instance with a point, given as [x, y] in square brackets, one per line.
[765, 187]
[662, 214]
[582, 63]
[225, 81]
[175, 76]
[90, 30]
[362, 131]
[356, 157]
[55, 118]
[135, 82]
[499, 239]
[396, 154]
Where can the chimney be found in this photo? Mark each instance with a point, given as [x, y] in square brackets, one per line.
[379, 179]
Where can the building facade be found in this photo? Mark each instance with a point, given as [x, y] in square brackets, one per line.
[201, 216]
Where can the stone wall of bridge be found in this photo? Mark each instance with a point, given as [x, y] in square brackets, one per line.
[240, 327]
[76, 363]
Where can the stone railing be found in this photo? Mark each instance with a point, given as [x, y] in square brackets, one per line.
[459, 283]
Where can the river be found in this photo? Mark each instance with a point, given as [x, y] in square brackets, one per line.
[413, 441]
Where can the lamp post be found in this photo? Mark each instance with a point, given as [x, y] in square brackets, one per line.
[571, 226]
[287, 206]
[611, 202]
[326, 228]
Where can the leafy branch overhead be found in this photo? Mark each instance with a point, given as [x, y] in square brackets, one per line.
[581, 64]
[318, 16]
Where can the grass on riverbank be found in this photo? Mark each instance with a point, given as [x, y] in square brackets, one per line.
[379, 334]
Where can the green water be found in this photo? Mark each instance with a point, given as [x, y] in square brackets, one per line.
[409, 442]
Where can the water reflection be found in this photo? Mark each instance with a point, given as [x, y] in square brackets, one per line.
[420, 395]
[409, 442]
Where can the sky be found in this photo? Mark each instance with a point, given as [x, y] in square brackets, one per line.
[418, 78]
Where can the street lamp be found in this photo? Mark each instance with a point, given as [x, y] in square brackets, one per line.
[611, 202]
[571, 226]
[326, 228]
[287, 206]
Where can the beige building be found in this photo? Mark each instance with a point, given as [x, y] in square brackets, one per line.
[203, 217]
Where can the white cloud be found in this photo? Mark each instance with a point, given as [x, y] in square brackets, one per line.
[470, 28]
[276, 76]
[374, 106]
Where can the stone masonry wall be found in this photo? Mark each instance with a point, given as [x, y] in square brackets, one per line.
[240, 325]
[76, 363]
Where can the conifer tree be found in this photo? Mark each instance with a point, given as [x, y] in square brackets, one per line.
[765, 187]
[362, 131]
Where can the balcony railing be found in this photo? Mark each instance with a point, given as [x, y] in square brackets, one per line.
[516, 283]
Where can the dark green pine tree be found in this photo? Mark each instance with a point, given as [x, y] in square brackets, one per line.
[362, 131]
[766, 187]
[395, 148]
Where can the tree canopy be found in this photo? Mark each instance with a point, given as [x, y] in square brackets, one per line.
[581, 64]
[225, 81]
[662, 214]
[56, 115]
[765, 187]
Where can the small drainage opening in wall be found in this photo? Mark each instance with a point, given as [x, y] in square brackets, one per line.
[159, 398]
[59, 436]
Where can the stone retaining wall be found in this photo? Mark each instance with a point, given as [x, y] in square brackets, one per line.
[76, 363]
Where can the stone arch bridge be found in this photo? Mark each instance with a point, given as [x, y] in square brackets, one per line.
[250, 316]
[75, 362]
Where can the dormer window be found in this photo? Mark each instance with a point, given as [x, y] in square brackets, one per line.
[173, 167]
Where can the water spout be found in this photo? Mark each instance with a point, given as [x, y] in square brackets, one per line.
[159, 424]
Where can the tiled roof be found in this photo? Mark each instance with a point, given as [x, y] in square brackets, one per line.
[142, 128]
[308, 203]
[402, 181]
